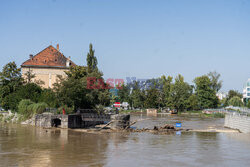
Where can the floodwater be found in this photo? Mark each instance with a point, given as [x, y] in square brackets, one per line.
[30, 146]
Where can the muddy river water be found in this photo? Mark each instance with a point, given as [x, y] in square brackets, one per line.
[29, 146]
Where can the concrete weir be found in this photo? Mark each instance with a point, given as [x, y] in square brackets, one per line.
[71, 121]
[83, 120]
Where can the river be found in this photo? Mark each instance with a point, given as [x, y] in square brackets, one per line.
[30, 146]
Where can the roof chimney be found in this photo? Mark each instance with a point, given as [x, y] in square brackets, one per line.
[57, 47]
[68, 62]
[31, 56]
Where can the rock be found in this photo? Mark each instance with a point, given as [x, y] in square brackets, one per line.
[156, 128]
[167, 126]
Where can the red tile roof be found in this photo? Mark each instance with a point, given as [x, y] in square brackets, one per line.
[50, 57]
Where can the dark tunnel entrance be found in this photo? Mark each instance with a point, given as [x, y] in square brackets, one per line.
[56, 122]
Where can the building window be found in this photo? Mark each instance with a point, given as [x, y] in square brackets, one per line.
[248, 89]
[248, 94]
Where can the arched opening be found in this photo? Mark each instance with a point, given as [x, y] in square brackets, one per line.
[56, 122]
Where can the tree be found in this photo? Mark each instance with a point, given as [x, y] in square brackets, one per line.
[137, 96]
[248, 104]
[123, 93]
[235, 101]
[193, 103]
[11, 81]
[205, 93]
[152, 98]
[216, 84]
[91, 59]
[223, 102]
[233, 93]
[73, 90]
[180, 91]
[28, 76]
[167, 83]
[48, 96]
[30, 91]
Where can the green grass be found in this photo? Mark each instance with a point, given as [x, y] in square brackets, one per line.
[214, 115]
[202, 115]
[130, 111]
[194, 111]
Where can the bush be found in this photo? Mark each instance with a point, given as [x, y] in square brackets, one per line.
[39, 108]
[219, 115]
[23, 107]
[27, 108]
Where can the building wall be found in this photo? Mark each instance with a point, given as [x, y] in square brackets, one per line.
[246, 90]
[48, 75]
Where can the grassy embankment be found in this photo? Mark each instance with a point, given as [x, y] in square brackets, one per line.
[186, 113]
[204, 115]
[131, 111]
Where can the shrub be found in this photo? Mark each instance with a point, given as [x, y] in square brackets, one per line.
[39, 108]
[23, 107]
[219, 115]
[27, 108]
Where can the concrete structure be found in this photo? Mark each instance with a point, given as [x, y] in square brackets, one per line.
[120, 121]
[238, 121]
[246, 91]
[46, 66]
[71, 121]
[151, 111]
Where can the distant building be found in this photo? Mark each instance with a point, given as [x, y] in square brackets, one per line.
[47, 65]
[246, 91]
[221, 95]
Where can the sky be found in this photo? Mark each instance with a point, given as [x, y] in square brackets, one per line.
[135, 38]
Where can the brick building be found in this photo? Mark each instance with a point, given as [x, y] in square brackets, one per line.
[47, 65]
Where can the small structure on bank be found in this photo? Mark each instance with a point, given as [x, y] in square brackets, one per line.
[152, 111]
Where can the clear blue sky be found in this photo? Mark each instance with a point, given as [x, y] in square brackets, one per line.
[135, 38]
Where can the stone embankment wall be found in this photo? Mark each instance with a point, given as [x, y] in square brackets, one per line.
[238, 121]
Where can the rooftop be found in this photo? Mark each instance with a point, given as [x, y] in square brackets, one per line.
[50, 57]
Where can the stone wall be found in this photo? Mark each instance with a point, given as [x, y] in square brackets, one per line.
[48, 120]
[238, 121]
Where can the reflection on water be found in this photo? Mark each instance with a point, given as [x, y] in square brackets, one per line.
[30, 146]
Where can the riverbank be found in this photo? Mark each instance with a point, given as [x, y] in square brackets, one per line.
[193, 112]
[10, 117]
[192, 122]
